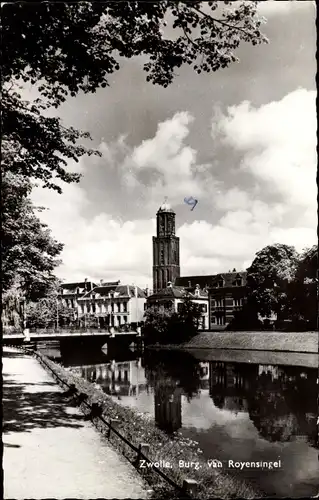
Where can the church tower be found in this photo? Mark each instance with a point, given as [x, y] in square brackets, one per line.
[165, 249]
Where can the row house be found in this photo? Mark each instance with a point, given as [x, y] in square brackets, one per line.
[71, 292]
[227, 295]
[110, 304]
[172, 297]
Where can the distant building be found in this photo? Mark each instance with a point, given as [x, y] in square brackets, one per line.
[172, 297]
[71, 292]
[113, 304]
[110, 304]
[165, 249]
[227, 295]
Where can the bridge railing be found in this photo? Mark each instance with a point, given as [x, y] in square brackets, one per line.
[68, 329]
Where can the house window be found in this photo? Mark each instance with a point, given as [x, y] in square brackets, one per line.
[220, 284]
[125, 307]
[88, 308]
[126, 375]
[213, 320]
[237, 302]
[145, 306]
[125, 319]
[93, 308]
[112, 307]
[238, 282]
[220, 320]
[204, 308]
[82, 308]
[219, 302]
[179, 307]
[119, 320]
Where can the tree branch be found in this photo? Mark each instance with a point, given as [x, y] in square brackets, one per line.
[219, 21]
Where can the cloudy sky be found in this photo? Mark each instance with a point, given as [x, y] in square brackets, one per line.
[242, 141]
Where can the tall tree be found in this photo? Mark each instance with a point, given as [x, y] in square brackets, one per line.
[29, 253]
[269, 278]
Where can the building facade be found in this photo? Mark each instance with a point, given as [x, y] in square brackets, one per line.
[227, 296]
[166, 265]
[172, 297]
[109, 304]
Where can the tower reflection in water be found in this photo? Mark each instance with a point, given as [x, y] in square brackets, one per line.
[279, 400]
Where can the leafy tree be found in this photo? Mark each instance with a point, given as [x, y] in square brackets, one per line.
[188, 318]
[269, 278]
[165, 326]
[157, 324]
[48, 312]
[304, 289]
[29, 253]
[64, 48]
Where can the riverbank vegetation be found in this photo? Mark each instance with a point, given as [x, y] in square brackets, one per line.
[268, 341]
[164, 325]
[138, 428]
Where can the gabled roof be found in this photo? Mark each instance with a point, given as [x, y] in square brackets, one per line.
[210, 280]
[229, 278]
[72, 287]
[174, 292]
[192, 281]
[177, 292]
[120, 290]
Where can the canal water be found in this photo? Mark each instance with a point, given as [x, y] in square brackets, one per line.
[239, 411]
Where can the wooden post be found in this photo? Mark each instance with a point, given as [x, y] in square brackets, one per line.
[114, 423]
[143, 448]
[190, 487]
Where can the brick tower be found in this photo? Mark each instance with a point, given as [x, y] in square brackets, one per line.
[165, 249]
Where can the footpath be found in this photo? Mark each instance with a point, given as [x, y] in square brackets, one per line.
[50, 451]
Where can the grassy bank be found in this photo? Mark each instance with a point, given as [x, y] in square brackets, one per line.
[308, 360]
[138, 428]
[302, 342]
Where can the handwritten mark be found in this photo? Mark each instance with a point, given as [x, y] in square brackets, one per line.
[191, 201]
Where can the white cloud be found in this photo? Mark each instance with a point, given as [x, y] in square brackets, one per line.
[279, 141]
[282, 7]
[276, 147]
[170, 162]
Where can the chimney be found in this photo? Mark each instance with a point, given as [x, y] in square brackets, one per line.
[101, 282]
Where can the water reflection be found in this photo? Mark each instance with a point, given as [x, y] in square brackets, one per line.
[280, 400]
[241, 411]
